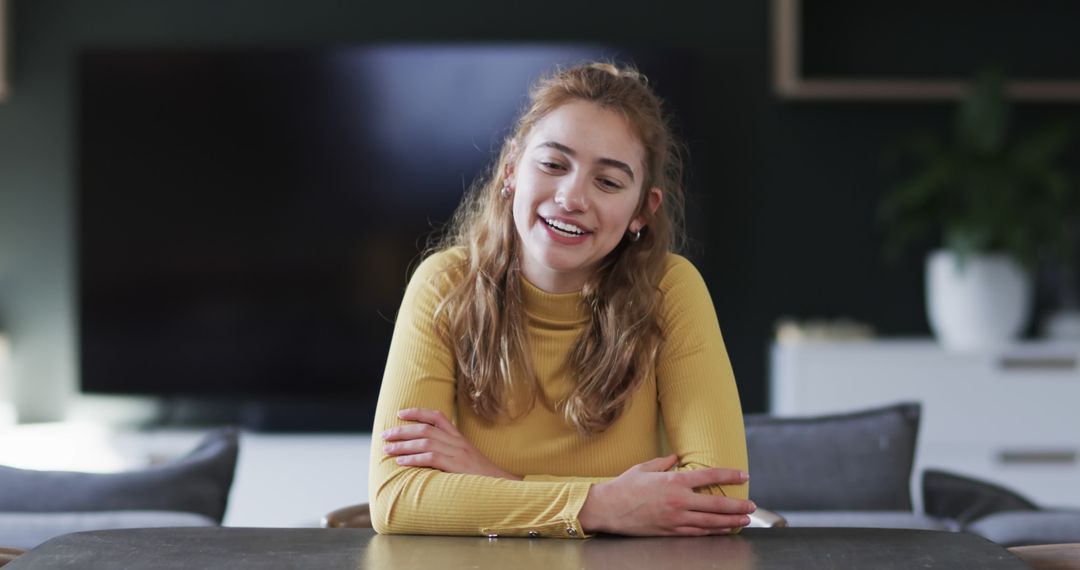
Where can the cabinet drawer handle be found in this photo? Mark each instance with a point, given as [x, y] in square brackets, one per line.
[1038, 456]
[1038, 362]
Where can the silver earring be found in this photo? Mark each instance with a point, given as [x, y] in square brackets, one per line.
[506, 189]
[634, 236]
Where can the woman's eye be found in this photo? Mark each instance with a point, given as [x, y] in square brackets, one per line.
[552, 166]
[609, 184]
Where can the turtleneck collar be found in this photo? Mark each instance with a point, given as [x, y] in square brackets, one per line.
[553, 307]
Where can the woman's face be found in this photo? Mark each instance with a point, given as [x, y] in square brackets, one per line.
[577, 186]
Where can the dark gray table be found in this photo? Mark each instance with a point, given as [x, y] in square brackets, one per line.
[273, 548]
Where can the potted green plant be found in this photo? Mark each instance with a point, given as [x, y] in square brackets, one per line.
[996, 204]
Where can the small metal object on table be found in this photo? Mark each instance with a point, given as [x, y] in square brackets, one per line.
[273, 548]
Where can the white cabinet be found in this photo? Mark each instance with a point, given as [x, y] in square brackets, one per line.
[1010, 416]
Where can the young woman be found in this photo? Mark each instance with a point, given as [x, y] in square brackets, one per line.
[555, 369]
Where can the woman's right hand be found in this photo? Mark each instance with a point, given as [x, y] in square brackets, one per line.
[648, 500]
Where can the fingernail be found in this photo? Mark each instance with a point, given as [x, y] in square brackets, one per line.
[400, 460]
[753, 507]
[743, 475]
[401, 413]
[744, 521]
[386, 448]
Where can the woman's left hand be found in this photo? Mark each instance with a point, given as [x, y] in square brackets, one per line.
[433, 441]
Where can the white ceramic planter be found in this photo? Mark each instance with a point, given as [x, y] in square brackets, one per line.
[984, 303]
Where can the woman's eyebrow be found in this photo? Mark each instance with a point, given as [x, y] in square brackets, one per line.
[605, 161]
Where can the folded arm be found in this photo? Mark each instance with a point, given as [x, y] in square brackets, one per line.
[696, 387]
[431, 499]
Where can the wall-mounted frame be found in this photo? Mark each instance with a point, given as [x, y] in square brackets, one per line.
[4, 88]
[790, 83]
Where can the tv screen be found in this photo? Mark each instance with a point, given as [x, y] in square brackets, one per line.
[247, 218]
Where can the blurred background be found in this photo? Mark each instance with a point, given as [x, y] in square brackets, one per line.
[115, 251]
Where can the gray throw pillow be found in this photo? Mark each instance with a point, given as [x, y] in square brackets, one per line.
[854, 462]
[196, 483]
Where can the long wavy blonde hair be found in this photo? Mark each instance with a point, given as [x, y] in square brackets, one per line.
[483, 315]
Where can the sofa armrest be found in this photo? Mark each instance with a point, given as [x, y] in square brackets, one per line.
[1026, 528]
[967, 499]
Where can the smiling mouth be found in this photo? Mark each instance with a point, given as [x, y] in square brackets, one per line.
[563, 228]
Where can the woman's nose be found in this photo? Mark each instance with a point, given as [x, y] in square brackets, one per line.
[573, 195]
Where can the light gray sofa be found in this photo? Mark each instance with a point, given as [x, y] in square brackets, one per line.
[854, 470]
[190, 491]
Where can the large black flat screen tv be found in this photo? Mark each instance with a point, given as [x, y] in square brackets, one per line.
[247, 218]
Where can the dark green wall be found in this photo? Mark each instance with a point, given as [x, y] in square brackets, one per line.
[785, 227]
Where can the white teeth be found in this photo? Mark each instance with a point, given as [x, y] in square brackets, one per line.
[564, 227]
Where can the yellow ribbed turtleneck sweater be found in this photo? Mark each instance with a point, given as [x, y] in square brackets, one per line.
[690, 400]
